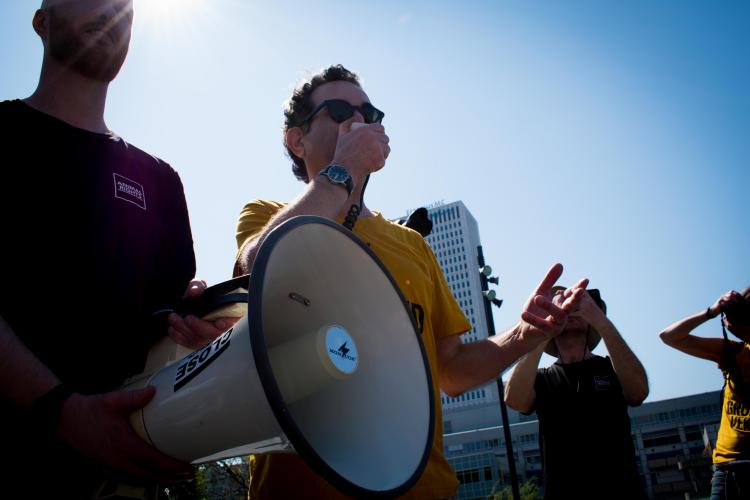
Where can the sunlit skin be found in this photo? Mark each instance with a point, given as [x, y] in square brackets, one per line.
[85, 44]
[90, 37]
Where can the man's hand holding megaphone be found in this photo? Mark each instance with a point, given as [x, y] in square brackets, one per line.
[98, 426]
[191, 331]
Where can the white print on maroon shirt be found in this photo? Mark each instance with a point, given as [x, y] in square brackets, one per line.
[128, 190]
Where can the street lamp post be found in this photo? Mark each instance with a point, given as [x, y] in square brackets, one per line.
[488, 298]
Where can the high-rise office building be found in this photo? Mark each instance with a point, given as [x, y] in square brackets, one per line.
[454, 240]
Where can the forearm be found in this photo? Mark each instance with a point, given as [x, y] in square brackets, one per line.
[475, 363]
[680, 330]
[519, 389]
[679, 335]
[627, 366]
[23, 377]
[320, 198]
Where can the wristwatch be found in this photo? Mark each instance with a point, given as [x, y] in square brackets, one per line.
[336, 174]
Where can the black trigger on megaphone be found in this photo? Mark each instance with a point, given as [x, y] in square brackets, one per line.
[227, 299]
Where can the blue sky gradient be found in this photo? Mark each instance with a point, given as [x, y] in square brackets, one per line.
[609, 136]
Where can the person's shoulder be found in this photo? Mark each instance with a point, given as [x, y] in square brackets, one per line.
[261, 205]
[734, 345]
[142, 155]
[599, 363]
[10, 104]
[551, 373]
[552, 370]
[729, 351]
[257, 212]
[402, 233]
[13, 107]
[546, 380]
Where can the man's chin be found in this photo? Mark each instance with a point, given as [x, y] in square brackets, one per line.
[97, 67]
[569, 339]
[97, 62]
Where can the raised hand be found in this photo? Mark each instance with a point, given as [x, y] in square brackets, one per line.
[728, 299]
[586, 308]
[542, 318]
[362, 149]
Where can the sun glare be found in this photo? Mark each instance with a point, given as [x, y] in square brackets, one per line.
[172, 20]
[168, 10]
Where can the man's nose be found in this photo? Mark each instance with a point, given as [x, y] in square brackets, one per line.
[358, 117]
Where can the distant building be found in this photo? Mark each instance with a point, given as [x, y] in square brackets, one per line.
[454, 240]
[673, 439]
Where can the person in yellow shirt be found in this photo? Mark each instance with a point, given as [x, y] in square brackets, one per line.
[731, 456]
[335, 138]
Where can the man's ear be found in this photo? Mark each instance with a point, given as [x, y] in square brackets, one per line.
[41, 24]
[293, 140]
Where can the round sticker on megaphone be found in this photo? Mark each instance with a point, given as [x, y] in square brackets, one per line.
[341, 349]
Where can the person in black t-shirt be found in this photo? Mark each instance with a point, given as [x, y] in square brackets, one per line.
[581, 402]
[96, 239]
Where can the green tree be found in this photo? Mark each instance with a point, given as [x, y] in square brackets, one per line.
[528, 491]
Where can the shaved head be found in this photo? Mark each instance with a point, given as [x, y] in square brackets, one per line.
[49, 3]
[90, 37]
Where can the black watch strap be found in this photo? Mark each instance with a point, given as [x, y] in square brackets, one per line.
[46, 410]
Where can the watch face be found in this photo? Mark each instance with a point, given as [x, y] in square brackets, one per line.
[337, 174]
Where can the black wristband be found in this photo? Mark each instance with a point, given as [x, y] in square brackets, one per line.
[46, 410]
[708, 313]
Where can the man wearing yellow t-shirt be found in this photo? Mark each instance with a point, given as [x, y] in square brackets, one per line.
[335, 138]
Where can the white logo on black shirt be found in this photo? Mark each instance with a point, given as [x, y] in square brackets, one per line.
[129, 190]
[603, 383]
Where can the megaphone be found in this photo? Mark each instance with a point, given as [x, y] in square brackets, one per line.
[327, 363]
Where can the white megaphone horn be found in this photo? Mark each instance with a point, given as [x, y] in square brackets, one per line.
[326, 363]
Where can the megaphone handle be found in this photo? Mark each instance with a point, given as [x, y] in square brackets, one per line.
[214, 297]
[355, 210]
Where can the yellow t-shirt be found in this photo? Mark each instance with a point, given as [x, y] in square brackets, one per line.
[413, 266]
[733, 442]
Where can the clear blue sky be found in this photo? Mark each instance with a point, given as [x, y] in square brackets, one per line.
[610, 136]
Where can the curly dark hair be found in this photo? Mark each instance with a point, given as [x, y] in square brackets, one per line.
[300, 105]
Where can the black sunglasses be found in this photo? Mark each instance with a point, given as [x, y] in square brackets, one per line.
[340, 111]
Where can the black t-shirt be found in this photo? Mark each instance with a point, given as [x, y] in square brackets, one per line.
[95, 238]
[584, 432]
